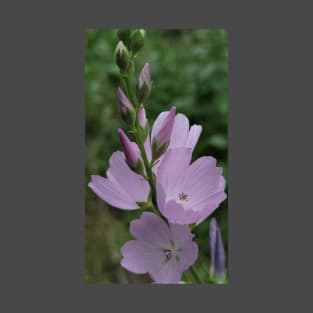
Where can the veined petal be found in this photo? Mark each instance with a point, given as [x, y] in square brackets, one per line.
[158, 123]
[161, 196]
[188, 255]
[180, 234]
[205, 198]
[112, 193]
[193, 136]
[176, 214]
[180, 131]
[215, 201]
[133, 184]
[173, 166]
[202, 180]
[167, 273]
[151, 228]
[140, 257]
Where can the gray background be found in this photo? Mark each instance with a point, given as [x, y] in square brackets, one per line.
[42, 156]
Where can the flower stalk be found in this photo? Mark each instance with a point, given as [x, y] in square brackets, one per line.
[136, 125]
[147, 165]
[154, 172]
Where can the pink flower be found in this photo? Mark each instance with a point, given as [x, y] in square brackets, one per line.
[122, 188]
[164, 251]
[181, 135]
[188, 194]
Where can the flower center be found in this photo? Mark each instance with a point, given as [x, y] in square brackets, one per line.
[167, 253]
[182, 197]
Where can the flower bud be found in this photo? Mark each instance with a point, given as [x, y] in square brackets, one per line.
[125, 106]
[161, 134]
[131, 151]
[144, 83]
[218, 269]
[142, 118]
[145, 76]
[143, 122]
[124, 35]
[122, 57]
[137, 40]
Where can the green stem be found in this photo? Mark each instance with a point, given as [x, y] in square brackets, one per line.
[154, 210]
[147, 167]
[127, 78]
[195, 274]
[128, 89]
[140, 140]
[149, 206]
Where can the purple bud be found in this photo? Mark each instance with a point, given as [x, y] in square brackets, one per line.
[123, 102]
[130, 149]
[142, 118]
[145, 76]
[218, 269]
[163, 135]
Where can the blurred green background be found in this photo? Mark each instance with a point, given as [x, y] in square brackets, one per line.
[189, 70]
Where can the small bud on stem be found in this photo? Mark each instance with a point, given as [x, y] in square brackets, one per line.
[161, 137]
[122, 57]
[144, 84]
[137, 40]
[125, 106]
[131, 151]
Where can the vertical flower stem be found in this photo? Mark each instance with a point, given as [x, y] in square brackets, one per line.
[128, 88]
[127, 77]
[139, 139]
[147, 167]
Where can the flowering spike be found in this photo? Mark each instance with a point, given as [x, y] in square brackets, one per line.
[125, 106]
[144, 84]
[131, 151]
[161, 133]
[218, 270]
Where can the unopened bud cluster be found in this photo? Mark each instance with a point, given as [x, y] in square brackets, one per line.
[131, 103]
[129, 44]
